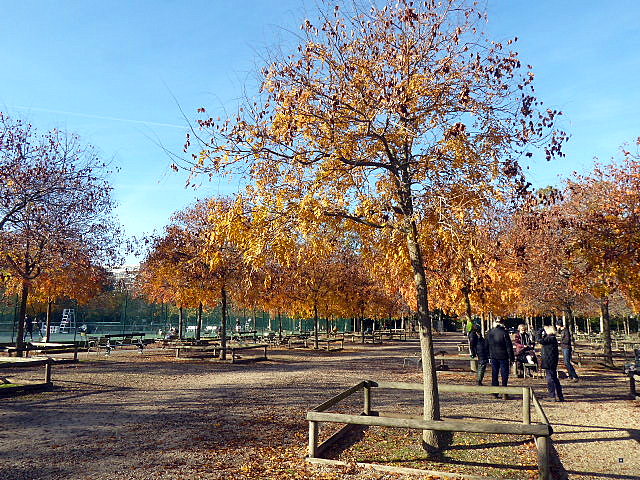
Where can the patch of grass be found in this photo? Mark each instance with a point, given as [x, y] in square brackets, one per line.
[496, 455]
[8, 385]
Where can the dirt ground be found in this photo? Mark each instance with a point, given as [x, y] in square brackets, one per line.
[151, 416]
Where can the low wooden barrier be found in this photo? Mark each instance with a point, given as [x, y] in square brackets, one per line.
[540, 431]
[13, 362]
[44, 347]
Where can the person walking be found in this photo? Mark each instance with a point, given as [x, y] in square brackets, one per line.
[547, 338]
[566, 343]
[28, 324]
[500, 354]
[479, 349]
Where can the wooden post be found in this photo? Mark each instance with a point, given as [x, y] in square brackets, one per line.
[47, 373]
[526, 406]
[543, 457]
[313, 438]
[367, 399]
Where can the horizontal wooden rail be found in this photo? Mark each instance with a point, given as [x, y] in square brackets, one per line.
[341, 396]
[442, 425]
[448, 388]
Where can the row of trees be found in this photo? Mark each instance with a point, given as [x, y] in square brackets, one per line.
[385, 150]
[56, 228]
[395, 122]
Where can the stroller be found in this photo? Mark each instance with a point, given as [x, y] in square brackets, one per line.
[526, 361]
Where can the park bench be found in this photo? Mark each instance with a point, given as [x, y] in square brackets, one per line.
[582, 356]
[111, 341]
[373, 337]
[393, 333]
[231, 349]
[198, 349]
[294, 341]
[234, 349]
[443, 357]
[416, 360]
[329, 341]
[245, 335]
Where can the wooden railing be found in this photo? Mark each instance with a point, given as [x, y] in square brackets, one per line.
[540, 431]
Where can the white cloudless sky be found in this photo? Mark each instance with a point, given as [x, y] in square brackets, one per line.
[119, 72]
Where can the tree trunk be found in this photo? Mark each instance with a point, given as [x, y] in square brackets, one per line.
[47, 335]
[180, 322]
[601, 321]
[199, 324]
[627, 330]
[315, 325]
[570, 320]
[467, 301]
[223, 326]
[21, 314]
[606, 331]
[279, 325]
[431, 440]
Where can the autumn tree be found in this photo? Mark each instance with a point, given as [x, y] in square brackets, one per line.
[78, 278]
[376, 114]
[603, 209]
[199, 260]
[55, 202]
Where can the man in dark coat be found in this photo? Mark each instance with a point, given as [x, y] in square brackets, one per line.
[547, 338]
[566, 344]
[501, 354]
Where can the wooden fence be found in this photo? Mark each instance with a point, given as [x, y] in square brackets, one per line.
[541, 432]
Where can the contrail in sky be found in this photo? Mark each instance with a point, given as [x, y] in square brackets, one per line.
[100, 117]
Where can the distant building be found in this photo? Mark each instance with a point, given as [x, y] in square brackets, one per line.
[124, 276]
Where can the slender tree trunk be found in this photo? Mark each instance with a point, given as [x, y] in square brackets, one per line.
[601, 322]
[606, 333]
[327, 325]
[199, 324]
[21, 314]
[315, 325]
[432, 440]
[223, 326]
[627, 331]
[570, 320]
[180, 323]
[47, 335]
[467, 301]
[279, 325]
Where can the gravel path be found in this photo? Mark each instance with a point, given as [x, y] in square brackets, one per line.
[154, 417]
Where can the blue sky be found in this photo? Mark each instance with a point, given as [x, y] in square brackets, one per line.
[115, 72]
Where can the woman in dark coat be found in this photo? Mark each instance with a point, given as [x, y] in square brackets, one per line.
[547, 338]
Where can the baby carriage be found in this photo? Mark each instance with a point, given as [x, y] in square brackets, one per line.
[526, 361]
